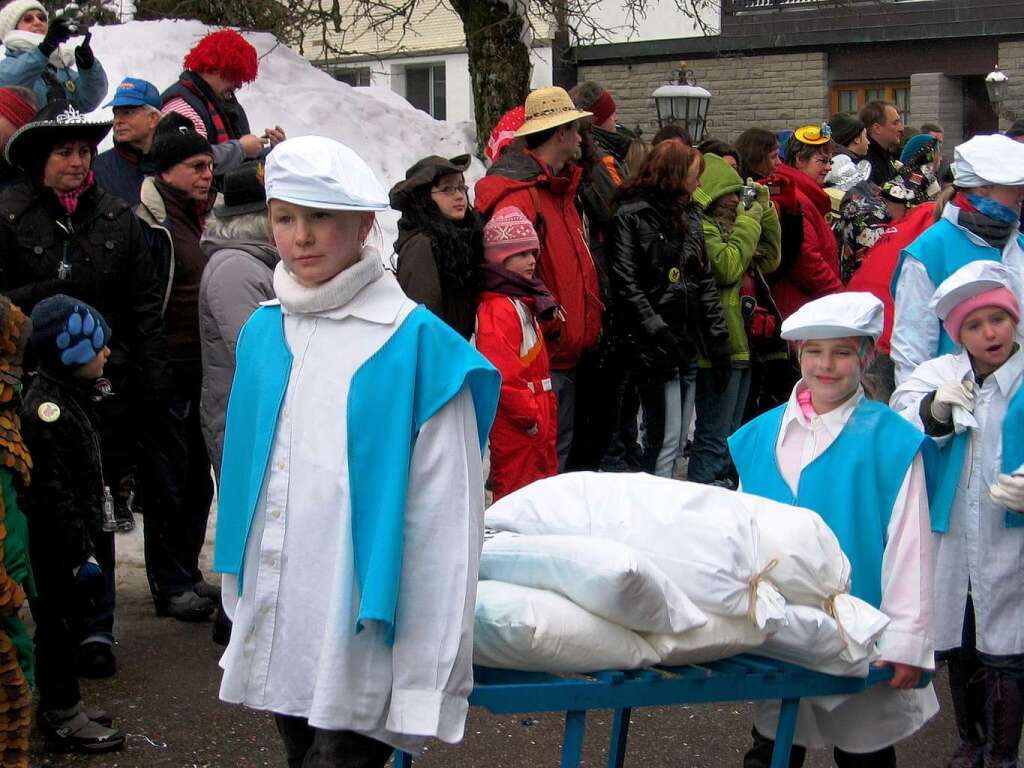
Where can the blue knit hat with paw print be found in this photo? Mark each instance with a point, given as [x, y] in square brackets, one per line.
[67, 333]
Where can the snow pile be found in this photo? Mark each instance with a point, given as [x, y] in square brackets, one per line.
[380, 125]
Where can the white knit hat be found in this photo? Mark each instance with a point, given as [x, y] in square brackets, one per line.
[836, 316]
[317, 172]
[11, 14]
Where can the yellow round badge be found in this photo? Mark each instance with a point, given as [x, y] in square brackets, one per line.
[674, 275]
[48, 412]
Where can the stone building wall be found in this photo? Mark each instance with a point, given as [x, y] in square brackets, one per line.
[937, 98]
[771, 91]
[1011, 61]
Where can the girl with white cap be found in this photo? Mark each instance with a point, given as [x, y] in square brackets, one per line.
[980, 222]
[858, 465]
[351, 496]
[972, 405]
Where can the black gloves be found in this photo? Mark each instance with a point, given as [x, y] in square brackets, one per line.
[668, 342]
[84, 57]
[60, 31]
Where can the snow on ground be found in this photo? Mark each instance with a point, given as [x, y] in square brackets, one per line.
[380, 125]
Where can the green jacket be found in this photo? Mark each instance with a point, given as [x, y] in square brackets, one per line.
[754, 239]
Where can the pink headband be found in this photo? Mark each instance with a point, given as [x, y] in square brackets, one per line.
[996, 297]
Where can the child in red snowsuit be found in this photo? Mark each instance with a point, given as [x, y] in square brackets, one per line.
[508, 334]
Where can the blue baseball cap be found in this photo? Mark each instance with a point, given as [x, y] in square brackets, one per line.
[133, 92]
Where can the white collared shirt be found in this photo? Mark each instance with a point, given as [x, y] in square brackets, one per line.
[978, 550]
[293, 647]
[880, 716]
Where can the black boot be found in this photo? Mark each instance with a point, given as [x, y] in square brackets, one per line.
[1004, 715]
[967, 689]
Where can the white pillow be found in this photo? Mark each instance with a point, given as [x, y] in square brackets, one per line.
[605, 577]
[812, 639]
[721, 637]
[700, 536]
[533, 630]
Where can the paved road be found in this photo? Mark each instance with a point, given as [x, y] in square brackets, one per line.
[165, 697]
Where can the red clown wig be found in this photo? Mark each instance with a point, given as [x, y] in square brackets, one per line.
[225, 52]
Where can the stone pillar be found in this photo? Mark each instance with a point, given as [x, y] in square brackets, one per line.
[1011, 61]
[937, 98]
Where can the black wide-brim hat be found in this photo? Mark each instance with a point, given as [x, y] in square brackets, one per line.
[244, 191]
[56, 122]
[423, 172]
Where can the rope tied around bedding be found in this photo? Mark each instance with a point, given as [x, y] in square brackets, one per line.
[754, 583]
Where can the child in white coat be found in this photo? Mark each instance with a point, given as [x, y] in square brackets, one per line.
[859, 466]
[971, 404]
[351, 496]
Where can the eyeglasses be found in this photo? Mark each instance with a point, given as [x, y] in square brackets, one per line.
[33, 16]
[199, 166]
[459, 189]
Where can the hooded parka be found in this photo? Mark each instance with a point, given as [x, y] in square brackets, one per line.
[564, 265]
[238, 276]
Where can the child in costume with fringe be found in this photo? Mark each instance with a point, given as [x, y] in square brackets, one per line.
[17, 671]
[972, 405]
[350, 519]
[862, 468]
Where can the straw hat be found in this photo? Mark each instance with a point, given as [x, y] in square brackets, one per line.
[549, 108]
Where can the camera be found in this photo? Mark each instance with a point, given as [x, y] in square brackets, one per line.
[747, 196]
[73, 14]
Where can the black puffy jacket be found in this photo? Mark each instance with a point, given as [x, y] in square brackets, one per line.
[661, 280]
[65, 498]
[108, 266]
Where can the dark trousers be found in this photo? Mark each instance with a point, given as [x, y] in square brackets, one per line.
[308, 747]
[564, 385]
[760, 756]
[117, 427]
[95, 615]
[178, 491]
[597, 393]
[623, 453]
[54, 612]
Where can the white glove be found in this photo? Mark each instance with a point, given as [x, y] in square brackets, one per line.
[949, 394]
[1008, 490]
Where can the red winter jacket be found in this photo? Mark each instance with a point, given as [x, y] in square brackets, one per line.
[815, 273]
[527, 400]
[564, 265]
[876, 271]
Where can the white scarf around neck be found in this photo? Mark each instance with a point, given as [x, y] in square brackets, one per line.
[298, 299]
[23, 42]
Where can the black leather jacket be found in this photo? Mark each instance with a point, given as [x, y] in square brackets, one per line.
[661, 280]
[107, 264]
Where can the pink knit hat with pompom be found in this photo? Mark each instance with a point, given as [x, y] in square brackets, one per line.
[507, 233]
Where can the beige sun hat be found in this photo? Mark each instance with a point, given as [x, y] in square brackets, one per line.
[549, 108]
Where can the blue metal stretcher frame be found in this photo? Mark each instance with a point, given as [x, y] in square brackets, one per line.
[739, 678]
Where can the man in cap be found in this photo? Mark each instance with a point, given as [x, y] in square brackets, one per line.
[215, 68]
[175, 201]
[821, 450]
[885, 132]
[980, 222]
[120, 170]
[541, 180]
